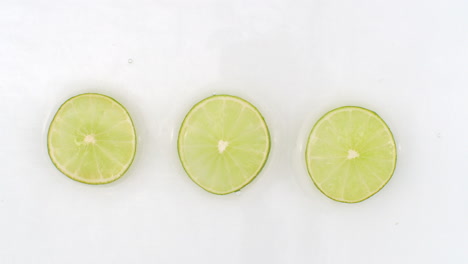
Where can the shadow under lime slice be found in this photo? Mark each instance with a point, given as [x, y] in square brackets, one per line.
[92, 139]
[350, 154]
[223, 143]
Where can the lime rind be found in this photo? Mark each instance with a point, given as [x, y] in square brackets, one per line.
[75, 177]
[311, 138]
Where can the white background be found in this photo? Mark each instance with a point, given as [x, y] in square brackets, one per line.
[294, 60]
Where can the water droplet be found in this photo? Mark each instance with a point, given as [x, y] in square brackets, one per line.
[130, 61]
[238, 193]
[214, 94]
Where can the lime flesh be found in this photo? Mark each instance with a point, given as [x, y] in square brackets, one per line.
[223, 143]
[350, 154]
[92, 139]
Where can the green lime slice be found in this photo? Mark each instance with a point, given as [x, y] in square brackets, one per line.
[92, 139]
[350, 154]
[223, 143]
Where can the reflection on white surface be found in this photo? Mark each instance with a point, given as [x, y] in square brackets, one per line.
[294, 60]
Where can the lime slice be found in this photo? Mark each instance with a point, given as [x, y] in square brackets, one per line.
[92, 139]
[350, 154]
[223, 143]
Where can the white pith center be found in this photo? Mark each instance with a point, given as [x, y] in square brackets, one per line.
[352, 154]
[222, 145]
[89, 139]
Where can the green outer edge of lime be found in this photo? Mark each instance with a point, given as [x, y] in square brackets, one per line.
[307, 148]
[268, 133]
[134, 131]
